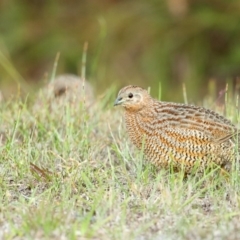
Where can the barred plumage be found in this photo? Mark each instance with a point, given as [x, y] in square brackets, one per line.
[177, 133]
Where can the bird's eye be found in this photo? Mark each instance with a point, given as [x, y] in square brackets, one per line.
[130, 95]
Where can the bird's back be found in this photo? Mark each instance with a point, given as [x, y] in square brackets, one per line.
[190, 117]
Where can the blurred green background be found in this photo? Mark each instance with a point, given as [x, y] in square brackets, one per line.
[146, 43]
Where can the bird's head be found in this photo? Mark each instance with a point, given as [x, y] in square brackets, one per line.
[133, 98]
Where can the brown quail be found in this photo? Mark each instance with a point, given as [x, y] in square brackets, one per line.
[70, 87]
[178, 134]
[66, 88]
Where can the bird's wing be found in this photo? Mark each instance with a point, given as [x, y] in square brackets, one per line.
[189, 117]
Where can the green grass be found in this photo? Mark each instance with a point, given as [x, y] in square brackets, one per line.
[71, 173]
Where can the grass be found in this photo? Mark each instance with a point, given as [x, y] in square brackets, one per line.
[71, 173]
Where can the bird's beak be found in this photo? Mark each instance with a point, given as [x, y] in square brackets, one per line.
[118, 101]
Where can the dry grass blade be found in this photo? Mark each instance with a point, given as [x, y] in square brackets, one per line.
[40, 172]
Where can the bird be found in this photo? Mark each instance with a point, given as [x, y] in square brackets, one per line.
[70, 87]
[65, 88]
[179, 135]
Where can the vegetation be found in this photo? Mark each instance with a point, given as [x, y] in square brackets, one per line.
[70, 173]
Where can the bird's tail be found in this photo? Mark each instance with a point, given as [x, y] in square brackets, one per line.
[235, 137]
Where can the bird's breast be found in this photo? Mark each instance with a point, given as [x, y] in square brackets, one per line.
[139, 127]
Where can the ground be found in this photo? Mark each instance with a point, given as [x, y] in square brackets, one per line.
[71, 173]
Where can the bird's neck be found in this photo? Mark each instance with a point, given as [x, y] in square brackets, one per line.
[138, 125]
